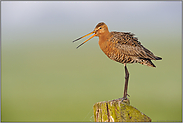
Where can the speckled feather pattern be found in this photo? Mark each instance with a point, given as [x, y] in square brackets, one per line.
[123, 47]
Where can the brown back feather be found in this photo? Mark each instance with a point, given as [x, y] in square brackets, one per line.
[130, 46]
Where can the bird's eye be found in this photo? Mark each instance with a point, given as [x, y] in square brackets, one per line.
[100, 27]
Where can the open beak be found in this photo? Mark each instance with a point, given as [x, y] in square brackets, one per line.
[86, 40]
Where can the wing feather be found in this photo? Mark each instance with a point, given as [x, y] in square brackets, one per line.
[130, 46]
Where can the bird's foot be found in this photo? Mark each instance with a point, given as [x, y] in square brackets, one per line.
[125, 99]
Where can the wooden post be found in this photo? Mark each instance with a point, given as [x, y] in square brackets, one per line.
[117, 111]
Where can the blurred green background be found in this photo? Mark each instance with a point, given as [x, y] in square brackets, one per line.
[45, 78]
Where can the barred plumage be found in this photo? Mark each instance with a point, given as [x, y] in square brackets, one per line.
[125, 44]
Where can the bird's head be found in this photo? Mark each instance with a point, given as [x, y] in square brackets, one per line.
[99, 30]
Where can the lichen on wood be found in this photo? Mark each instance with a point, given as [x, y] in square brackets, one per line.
[118, 111]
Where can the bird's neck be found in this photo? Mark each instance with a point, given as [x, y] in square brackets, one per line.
[103, 42]
[103, 37]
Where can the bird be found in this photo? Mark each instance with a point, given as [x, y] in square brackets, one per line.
[122, 47]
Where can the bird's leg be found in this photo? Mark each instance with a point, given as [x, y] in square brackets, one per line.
[126, 83]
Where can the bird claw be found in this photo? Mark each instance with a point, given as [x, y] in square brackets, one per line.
[125, 99]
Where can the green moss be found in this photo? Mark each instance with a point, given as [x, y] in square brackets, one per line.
[117, 111]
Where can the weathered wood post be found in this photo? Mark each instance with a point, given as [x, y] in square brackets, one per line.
[117, 111]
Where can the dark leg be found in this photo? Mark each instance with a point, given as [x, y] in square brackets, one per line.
[126, 83]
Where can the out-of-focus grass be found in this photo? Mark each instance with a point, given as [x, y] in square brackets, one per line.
[60, 83]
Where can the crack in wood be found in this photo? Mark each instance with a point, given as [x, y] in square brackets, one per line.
[108, 112]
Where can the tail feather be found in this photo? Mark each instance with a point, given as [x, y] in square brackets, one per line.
[158, 58]
[147, 62]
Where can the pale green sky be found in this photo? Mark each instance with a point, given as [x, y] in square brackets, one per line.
[69, 20]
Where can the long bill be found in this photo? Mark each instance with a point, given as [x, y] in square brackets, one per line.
[87, 39]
